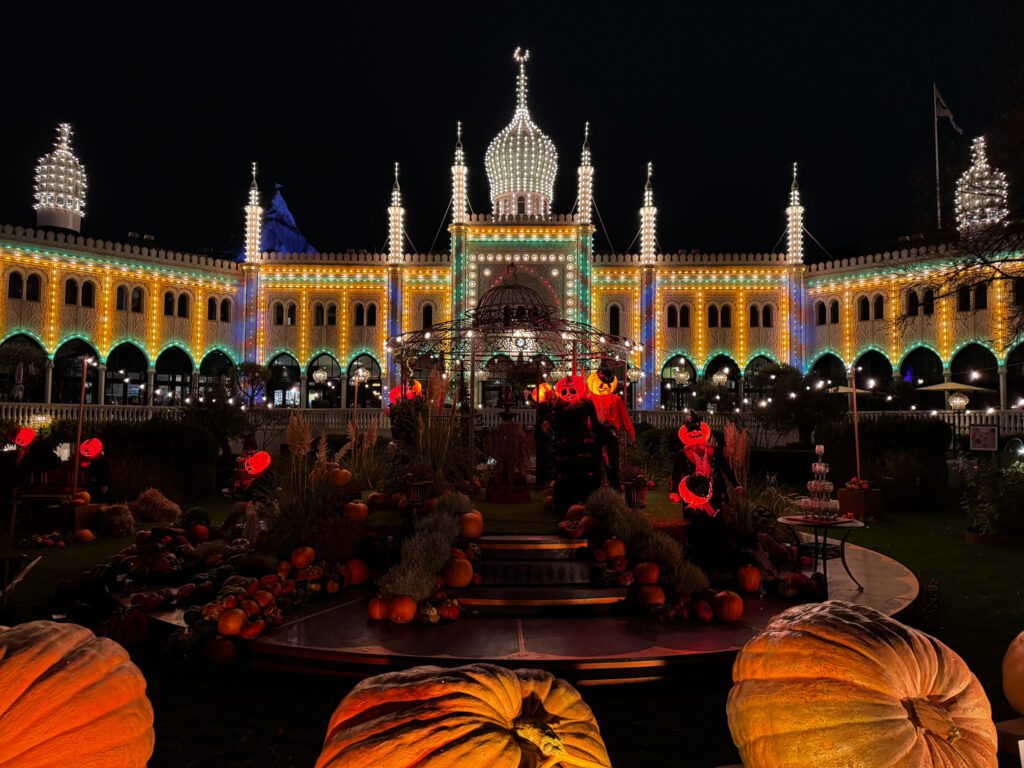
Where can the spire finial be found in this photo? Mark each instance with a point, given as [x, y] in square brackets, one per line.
[794, 177]
[458, 134]
[253, 185]
[650, 174]
[63, 136]
[521, 58]
[396, 177]
[586, 135]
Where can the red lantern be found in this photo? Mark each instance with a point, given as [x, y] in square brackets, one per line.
[411, 390]
[257, 463]
[90, 448]
[543, 393]
[23, 436]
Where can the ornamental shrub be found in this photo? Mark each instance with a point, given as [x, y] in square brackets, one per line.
[993, 499]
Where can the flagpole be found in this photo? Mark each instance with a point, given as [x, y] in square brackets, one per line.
[935, 126]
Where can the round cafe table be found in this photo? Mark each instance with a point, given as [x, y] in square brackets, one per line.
[819, 547]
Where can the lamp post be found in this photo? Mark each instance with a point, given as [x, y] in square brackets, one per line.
[86, 362]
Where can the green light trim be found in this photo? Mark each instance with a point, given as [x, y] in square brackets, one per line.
[718, 353]
[871, 348]
[322, 351]
[821, 353]
[280, 351]
[756, 354]
[133, 342]
[218, 348]
[918, 345]
[79, 337]
[959, 348]
[180, 345]
[31, 335]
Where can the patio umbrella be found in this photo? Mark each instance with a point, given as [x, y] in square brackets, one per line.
[18, 390]
[844, 390]
[953, 386]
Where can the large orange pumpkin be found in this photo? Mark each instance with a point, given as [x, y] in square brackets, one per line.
[477, 716]
[471, 525]
[1013, 673]
[457, 573]
[854, 688]
[68, 698]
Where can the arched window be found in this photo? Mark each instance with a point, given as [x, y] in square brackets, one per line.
[32, 287]
[766, 316]
[963, 299]
[15, 285]
[819, 313]
[755, 316]
[318, 314]
[291, 313]
[371, 314]
[121, 300]
[684, 315]
[521, 206]
[673, 316]
[929, 302]
[1018, 292]
[137, 297]
[726, 316]
[833, 311]
[182, 305]
[878, 307]
[981, 296]
[863, 309]
[225, 310]
[614, 316]
[360, 315]
[712, 316]
[332, 314]
[427, 316]
[211, 308]
[70, 291]
[913, 303]
[88, 294]
[168, 304]
[278, 314]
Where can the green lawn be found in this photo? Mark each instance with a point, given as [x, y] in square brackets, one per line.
[221, 720]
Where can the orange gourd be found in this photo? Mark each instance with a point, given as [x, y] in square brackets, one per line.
[614, 548]
[401, 609]
[358, 572]
[339, 478]
[378, 608]
[851, 687]
[356, 511]
[748, 578]
[302, 557]
[1013, 673]
[652, 596]
[728, 606]
[647, 573]
[458, 573]
[69, 698]
[576, 512]
[471, 525]
[477, 716]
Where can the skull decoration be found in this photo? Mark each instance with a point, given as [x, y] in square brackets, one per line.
[571, 389]
[602, 382]
[256, 463]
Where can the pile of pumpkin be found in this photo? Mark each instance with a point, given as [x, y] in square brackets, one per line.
[458, 573]
[577, 523]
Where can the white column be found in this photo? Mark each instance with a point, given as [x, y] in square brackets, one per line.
[303, 391]
[101, 384]
[1002, 387]
[48, 388]
[150, 376]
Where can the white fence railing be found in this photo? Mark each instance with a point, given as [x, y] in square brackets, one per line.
[1010, 422]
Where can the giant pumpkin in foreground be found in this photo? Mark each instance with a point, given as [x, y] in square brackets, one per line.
[69, 698]
[839, 685]
[477, 716]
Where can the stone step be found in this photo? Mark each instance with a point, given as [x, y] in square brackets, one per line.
[534, 572]
[526, 601]
[530, 547]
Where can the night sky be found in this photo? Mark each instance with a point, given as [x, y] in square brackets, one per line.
[169, 108]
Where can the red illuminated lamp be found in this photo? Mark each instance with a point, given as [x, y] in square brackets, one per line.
[257, 463]
[411, 391]
[23, 436]
[543, 393]
[90, 449]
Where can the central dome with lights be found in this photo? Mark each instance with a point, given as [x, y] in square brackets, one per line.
[521, 161]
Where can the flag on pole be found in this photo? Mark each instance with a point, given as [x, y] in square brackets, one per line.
[942, 110]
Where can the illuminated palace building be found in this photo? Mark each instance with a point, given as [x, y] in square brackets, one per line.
[162, 325]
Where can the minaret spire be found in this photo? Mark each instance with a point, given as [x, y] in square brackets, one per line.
[585, 193]
[648, 220]
[253, 219]
[521, 58]
[395, 222]
[460, 198]
[794, 224]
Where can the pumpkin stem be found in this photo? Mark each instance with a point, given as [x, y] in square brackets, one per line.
[933, 718]
[546, 740]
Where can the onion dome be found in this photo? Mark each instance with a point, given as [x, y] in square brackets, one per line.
[60, 185]
[510, 304]
[521, 161]
[980, 192]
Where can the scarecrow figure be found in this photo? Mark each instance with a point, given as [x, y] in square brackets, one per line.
[699, 472]
[576, 427]
[614, 419]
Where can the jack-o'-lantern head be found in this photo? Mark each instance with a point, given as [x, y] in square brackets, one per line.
[257, 463]
[571, 389]
[602, 382]
[543, 393]
[91, 448]
[694, 432]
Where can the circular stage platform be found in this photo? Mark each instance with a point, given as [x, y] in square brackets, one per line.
[339, 639]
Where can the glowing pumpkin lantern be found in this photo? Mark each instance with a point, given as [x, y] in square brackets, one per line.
[90, 449]
[410, 391]
[602, 382]
[571, 389]
[23, 436]
[690, 434]
[257, 463]
[543, 393]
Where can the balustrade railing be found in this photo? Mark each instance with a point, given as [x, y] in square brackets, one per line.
[1010, 422]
